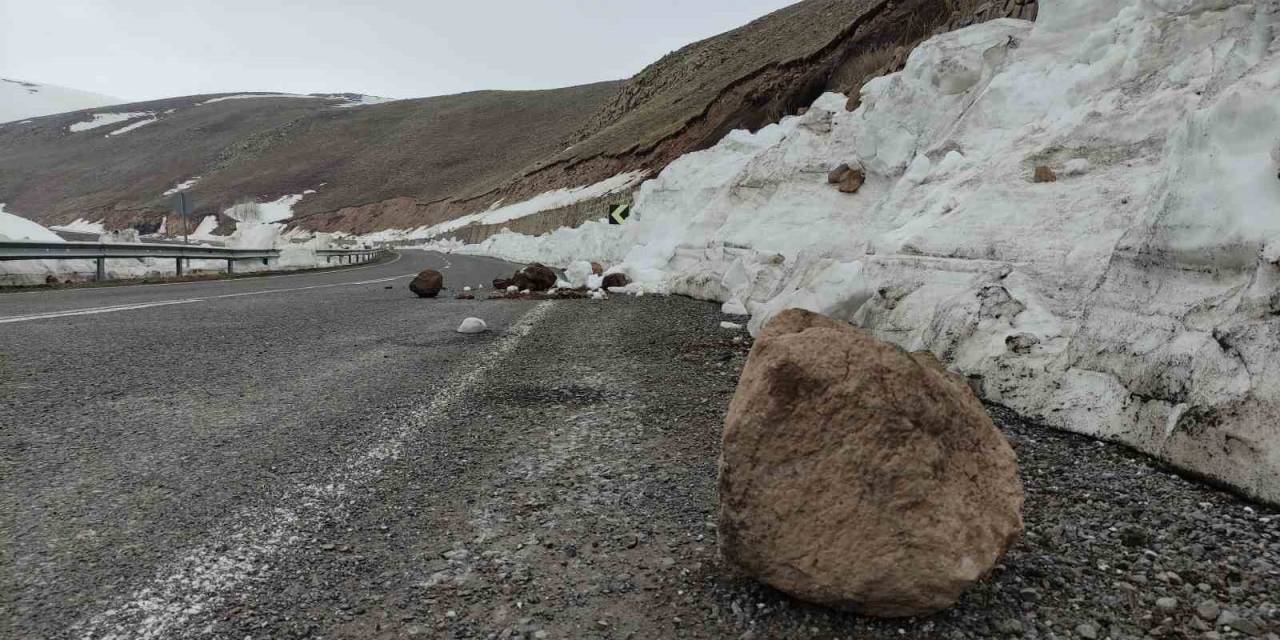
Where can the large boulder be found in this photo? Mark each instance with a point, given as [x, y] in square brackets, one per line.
[858, 476]
[535, 277]
[428, 284]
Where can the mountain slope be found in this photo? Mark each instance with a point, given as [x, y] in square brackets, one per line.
[56, 169]
[20, 100]
[415, 163]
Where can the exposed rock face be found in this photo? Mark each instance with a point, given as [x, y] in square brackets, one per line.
[858, 476]
[428, 284]
[597, 268]
[535, 277]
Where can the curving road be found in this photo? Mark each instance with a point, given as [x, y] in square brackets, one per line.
[137, 422]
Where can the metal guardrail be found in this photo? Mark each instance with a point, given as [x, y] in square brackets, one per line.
[101, 252]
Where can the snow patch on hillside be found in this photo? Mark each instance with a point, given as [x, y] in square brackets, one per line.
[277, 210]
[21, 100]
[133, 125]
[497, 214]
[182, 186]
[256, 96]
[106, 119]
[81, 225]
[1136, 299]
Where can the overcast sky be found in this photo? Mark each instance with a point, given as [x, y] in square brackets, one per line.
[145, 49]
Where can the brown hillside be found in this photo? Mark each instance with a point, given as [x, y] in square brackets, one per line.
[419, 162]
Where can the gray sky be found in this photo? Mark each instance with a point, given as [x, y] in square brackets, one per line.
[145, 49]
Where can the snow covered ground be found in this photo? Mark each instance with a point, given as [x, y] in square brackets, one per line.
[106, 119]
[1136, 298]
[20, 100]
[297, 251]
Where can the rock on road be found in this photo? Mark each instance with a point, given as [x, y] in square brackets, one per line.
[317, 456]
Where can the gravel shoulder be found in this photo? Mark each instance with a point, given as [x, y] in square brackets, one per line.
[569, 492]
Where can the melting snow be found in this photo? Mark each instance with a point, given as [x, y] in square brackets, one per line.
[1142, 279]
[82, 226]
[105, 119]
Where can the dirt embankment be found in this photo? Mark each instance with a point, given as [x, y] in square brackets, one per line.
[692, 98]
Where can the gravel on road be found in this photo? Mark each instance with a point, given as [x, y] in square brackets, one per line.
[571, 494]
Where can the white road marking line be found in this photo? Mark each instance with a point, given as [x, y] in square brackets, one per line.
[243, 549]
[305, 272]
[96, 310]
[163, 303]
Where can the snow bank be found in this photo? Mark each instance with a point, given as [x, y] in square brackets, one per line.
[297, 251]
[1136, 299]
[253, 96]
[82, 226]
[17, 228]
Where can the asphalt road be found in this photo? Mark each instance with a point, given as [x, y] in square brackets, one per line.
[318, 456]
[138, 424]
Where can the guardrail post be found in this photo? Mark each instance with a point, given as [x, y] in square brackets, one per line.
[231, 266]
[101, 275]
[178, 269]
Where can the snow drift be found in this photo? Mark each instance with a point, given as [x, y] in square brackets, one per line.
[1136, 299]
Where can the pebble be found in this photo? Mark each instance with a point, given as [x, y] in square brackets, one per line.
[1208, 610]
[1087, 631]
[1167, 604]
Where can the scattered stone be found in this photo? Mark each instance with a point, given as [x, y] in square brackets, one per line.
[852, 181]
[1167, 604]
[597, 269]
[1045, 174]
[428, 284]
[861, 477]
[837, 174]
[1087, 631]
[502, 283]
[1234, 621]
[1208, 610]
[732, 326]
[473, 326]
[466, 296]
[534, 277]
[615, 280]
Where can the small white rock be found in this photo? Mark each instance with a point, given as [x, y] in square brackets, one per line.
[599, 295]
[466, 288]
[732, 326]
[473, 325]
[512, 289]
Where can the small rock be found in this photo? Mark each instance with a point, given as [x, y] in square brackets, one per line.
[1087, 631]
[473, 326]
[837, 174]
[1209, 610]
[731, 326]
[1010, 626]
[852, 181]
[1044, 174]
[1167, 604]
[1234, 621]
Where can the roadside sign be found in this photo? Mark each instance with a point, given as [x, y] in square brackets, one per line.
[620, 214]
[183, 204]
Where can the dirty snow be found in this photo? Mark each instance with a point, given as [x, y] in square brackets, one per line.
[252, 96]
[267, 212]
[82, 226]
[1135, 299]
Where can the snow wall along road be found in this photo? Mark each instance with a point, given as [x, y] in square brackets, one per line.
[1136, 298]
